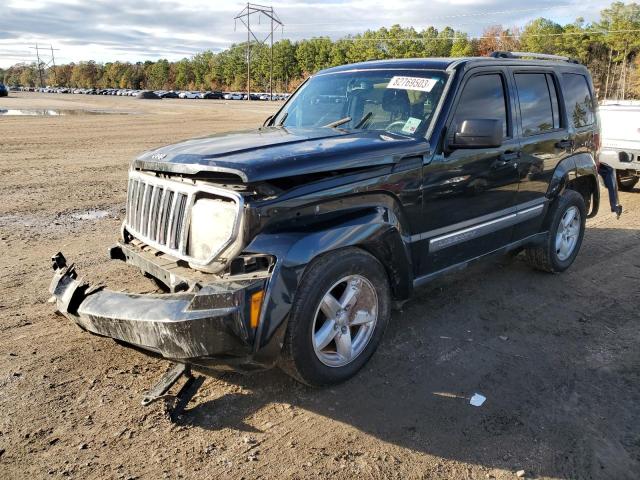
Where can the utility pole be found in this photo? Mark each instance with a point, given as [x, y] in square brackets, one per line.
[39, 65]
[42, 64]
[53, 63]
[245, 17]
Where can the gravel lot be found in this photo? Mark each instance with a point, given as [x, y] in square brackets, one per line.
[557, 356]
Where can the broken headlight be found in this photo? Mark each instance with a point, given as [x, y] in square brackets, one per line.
[211, 227]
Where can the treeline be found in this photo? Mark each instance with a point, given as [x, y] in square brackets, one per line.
[609, 47]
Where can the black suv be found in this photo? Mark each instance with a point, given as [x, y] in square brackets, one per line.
[289, 244]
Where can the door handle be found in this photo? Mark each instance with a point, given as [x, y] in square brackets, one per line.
[566, 143]
[505, 158]
[508, 156]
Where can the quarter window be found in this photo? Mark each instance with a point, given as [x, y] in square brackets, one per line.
[483, 97]
[538, 103]
[580, 108]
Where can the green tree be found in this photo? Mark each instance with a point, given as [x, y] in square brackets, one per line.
[461, 46]
[542, 36]
[157, 75]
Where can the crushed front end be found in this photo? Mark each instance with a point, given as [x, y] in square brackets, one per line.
[188, 236]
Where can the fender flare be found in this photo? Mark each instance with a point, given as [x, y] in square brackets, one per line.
[376, 230]
[572, 168]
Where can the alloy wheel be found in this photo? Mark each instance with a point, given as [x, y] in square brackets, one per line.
[568, 233]
[344, 321]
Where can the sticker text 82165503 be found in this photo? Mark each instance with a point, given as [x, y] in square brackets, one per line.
[412, 83]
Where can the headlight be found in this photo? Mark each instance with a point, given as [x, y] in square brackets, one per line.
[211, 227]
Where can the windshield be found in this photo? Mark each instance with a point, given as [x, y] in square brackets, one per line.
[396, 101]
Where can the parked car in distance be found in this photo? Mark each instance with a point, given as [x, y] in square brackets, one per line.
[170, 94]
[289, 244]
[233, 96]
[189, 95]
[147, 95]
[3, 90]
[211, 95]
[621, 142]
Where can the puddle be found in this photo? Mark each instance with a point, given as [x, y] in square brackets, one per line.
[91, 215]
[63, 219]
[54, 112]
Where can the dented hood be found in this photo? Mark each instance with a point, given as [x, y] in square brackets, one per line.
[277, 152]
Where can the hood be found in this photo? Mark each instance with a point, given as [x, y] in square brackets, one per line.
[277, 152]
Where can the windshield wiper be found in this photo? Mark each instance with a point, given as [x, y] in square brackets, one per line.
[364, 120]
[284, 117]
[344, 120]
[337, 123]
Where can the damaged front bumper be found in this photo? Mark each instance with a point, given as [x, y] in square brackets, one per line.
[208, 325]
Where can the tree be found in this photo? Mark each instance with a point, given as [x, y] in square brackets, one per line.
[542, 36]
[621, 22]
[157, 75]
[495, 38]
[461, 46]
[609, 48]
[183, 74]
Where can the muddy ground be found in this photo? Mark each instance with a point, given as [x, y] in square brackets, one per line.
[557, 356]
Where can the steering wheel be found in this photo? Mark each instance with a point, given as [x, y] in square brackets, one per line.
[394, 125]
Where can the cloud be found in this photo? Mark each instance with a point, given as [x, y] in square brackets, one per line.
[106, 30]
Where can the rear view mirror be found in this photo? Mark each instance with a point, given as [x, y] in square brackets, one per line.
[477, 133]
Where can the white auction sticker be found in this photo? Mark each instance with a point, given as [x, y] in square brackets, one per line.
[412, 83]
[411, 126]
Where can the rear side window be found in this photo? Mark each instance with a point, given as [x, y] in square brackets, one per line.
[483, 97]
[538, 103]
[577, 97]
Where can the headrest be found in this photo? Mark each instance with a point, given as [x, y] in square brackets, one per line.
[396, 101]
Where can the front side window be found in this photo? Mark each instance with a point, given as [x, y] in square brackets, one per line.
[397, 101]
[580, 106]
[538, 103]
[483, 98]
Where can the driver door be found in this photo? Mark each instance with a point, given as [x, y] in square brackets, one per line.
[469, 193]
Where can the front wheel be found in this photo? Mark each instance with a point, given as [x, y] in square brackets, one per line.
[567, 217]
[338, 317]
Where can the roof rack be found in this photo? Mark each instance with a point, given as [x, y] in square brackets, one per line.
[537, 56]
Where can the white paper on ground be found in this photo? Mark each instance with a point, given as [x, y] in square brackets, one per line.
[477, 400]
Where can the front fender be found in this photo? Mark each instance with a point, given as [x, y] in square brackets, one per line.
[375, 230]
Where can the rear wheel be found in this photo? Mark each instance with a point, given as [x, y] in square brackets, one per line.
[566, 231]
[338, 317]
[626, 181]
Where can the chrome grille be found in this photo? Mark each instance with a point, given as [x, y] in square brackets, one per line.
[159, 210]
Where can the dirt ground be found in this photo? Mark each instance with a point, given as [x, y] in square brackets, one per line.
[557, 356]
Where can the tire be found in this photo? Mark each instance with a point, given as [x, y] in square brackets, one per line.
[626, 182]
[357, 281]
[550, 257]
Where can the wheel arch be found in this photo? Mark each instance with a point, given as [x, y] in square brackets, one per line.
[578, 172]
[376, 230]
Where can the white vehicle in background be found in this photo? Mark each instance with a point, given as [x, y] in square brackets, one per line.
[233, 96]
[189, 95]
[620, 135]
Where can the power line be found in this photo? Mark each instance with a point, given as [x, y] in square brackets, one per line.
[456, 37]
[460, 15]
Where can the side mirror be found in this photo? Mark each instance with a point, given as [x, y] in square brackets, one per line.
[477, 133]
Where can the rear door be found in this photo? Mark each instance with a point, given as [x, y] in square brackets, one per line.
[545, 141]
[468, 194]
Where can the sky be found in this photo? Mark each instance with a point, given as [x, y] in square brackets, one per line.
[113, 30]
